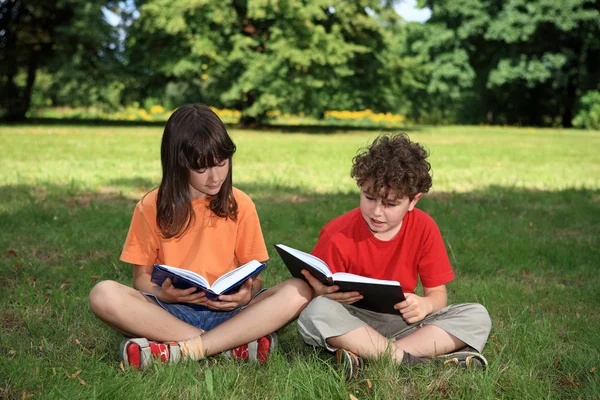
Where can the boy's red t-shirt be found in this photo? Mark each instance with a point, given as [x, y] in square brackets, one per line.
[347, 244]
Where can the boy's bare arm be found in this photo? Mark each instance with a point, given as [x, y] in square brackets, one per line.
[437, 296]
[415, 307]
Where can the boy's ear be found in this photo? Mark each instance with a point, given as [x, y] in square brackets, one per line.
[414, 201]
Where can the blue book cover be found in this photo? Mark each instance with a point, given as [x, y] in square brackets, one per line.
[225, 284]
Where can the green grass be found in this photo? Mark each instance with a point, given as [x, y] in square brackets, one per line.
[519, 210]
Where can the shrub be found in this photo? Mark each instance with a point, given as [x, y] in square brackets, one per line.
[588, 116]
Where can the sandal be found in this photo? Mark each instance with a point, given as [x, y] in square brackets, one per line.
[351, 364]
[140, 352]
[465, 359]
[257, 350]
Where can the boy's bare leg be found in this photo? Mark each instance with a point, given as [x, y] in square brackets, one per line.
[424, 342]
[268, 312]
[367, 343]
[428, 341]
[132, 313]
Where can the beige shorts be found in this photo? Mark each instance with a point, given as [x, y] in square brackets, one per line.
[324, 318]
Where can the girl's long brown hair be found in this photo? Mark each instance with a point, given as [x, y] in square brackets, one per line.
[194, 138]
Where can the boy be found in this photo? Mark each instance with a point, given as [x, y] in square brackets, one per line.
[388, 238]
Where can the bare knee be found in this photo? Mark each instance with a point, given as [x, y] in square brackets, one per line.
[296, 292]
[104, 297]
[303, 290]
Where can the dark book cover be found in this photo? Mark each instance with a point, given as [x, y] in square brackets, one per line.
[376, 297]
[295, 265]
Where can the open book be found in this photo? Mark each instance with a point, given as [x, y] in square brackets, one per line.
[225, 284]
[378, 295]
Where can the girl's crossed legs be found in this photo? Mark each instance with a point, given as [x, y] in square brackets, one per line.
[132, 313]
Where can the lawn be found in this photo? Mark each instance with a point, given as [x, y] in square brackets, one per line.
[519, 210]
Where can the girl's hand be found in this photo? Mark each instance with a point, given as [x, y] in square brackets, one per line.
[331, 292]
[228, 302]
[414, 308]
[170, 294]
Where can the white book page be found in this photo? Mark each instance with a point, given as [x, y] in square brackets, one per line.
[316, 262]
[347, 277]
[232, 277]
[192, 276]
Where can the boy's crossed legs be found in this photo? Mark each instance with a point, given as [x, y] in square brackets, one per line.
[367, 343]
[367, 334]
[132, 313]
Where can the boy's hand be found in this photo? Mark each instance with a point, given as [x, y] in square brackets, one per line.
[414, 308]
[331, 292]
[228, 302]
[170, 294]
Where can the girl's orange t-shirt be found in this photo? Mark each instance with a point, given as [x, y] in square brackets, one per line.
[211, 247]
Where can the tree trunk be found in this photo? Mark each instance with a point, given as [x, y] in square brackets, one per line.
[18, 101]
[569, 103]
[32, 68]
[248, 122]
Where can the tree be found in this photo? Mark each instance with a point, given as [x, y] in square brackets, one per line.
[530, 59]
[436, 82]
[264, 55]
[38, 34]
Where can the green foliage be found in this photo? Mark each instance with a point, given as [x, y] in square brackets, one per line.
[68, 39]
[589, 111]
[39, 96]
[259, 56]
[523, 61]
[530, 71]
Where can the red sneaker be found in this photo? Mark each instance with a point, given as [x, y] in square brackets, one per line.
[257, 350]
[140, 352]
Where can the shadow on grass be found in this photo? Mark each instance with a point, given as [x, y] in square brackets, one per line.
[134, 183]
[497, 228]
[313, 129]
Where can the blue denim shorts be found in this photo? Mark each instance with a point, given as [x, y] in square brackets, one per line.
[199, 316]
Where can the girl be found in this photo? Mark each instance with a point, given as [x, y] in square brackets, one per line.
[198, 221]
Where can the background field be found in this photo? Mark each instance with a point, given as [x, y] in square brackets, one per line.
[519, 210]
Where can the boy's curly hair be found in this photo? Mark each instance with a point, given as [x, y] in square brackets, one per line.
[392, 163]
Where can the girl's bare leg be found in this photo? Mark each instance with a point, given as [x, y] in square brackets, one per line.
[130, 312]
[268, 312]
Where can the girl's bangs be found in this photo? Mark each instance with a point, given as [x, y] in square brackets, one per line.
[206, 155]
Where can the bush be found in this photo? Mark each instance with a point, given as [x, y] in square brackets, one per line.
[588, 116]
